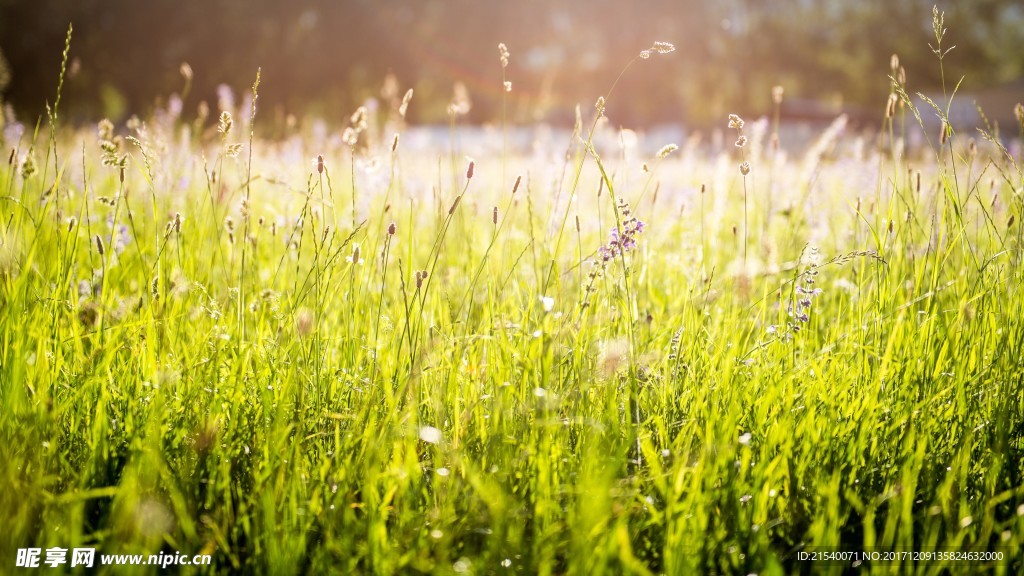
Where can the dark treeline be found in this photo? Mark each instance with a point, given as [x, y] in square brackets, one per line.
[326, 57]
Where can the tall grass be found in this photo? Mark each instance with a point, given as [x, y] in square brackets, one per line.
[291, 401]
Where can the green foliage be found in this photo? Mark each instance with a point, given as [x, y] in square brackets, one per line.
[203, 350]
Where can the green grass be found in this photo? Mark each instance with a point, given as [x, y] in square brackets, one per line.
[289, 406]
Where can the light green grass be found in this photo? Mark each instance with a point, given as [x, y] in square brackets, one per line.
[294, 409]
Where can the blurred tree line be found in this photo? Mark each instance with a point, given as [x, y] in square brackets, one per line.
[326, 56]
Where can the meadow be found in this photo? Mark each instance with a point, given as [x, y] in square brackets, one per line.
[377, 349]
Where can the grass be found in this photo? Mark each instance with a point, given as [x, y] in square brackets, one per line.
[306, 392]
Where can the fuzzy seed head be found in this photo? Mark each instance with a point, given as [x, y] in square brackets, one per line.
[894, 63]
[404, 107]
[741, 141]
[516, 185]
[663, 47]
[777, 92]
[99, 244]
[503, 54]
[320, 163]
[225, 123]
[745, 168]
[105, 130]
[508, 86]
[28, 165]
[666, 150]
[735, 121]
[494, 216]
[469, 170]
[186, 71]
[392, 228]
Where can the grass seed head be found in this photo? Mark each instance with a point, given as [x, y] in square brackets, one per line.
[666, 150]
[28, 165]
[663, 47]
[777, 92]
[225, 123]
[503, 54]
[404, 107]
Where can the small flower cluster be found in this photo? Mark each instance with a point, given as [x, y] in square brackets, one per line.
[622, 240]
[798, 309]
[737, 123]
[804, 292]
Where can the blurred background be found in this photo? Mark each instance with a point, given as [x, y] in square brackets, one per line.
[324, 58]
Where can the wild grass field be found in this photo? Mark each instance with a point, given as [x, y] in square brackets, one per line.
[372, 349]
